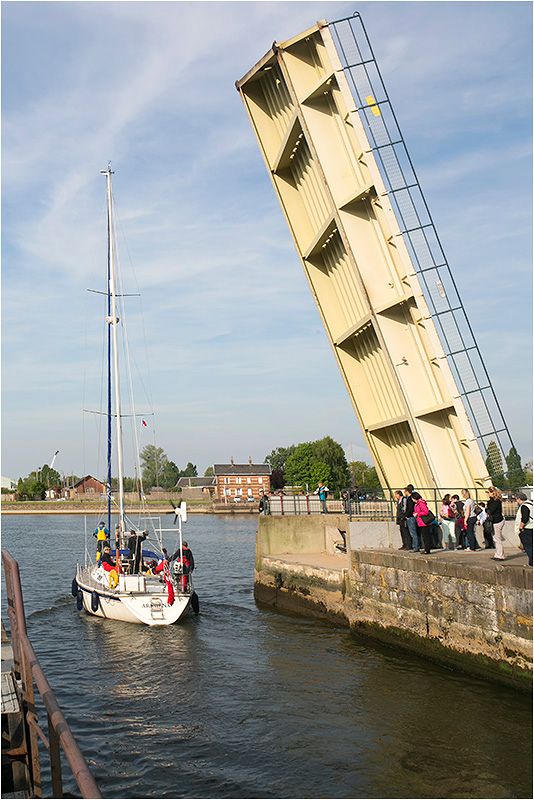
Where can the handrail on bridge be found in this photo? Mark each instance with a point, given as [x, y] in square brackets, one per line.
[29, 671]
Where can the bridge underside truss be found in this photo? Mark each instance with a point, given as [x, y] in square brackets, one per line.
[373, 260]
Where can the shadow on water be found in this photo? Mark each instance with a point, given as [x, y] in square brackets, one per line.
[241, 702]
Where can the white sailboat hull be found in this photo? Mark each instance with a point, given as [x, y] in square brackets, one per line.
[146, 605]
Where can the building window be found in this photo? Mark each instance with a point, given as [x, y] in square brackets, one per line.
[227, 480]
[260, 480]
[248, 480]
[238, 480]
[239, 492]
[249, 492]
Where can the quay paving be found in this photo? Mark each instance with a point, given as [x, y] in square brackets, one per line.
[515, 558]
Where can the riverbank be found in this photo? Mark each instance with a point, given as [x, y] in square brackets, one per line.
[459, 608]
[23, 508]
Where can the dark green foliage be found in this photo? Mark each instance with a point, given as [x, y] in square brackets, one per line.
[311, 462]
[34, 487]
[363, 475]
[516, 475]
[494, 464]
[189, 472]
[277, 458]
[153, 463]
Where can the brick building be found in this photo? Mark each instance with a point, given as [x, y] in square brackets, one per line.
[241, 483]
[89, 485]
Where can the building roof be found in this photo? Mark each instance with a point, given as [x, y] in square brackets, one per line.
[88, 478]
[241, 469]
[186, 483]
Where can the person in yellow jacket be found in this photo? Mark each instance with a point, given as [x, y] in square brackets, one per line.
[101, 535]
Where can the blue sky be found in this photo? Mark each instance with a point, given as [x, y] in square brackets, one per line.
[232, 352]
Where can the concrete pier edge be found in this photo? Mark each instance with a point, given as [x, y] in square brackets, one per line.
[463, 615]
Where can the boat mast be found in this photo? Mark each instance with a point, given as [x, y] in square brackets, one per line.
[113, 321]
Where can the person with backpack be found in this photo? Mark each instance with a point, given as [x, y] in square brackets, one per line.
[524, 523]
[470, 520]
[459, 523]
[411, 521]
[322, 491]
[424, 519]
[448, 522]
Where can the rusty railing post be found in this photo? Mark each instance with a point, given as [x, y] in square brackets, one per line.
[55, 760]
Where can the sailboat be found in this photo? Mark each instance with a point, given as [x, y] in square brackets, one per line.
[146, 586]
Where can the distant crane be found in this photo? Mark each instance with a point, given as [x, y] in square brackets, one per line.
[54, 458]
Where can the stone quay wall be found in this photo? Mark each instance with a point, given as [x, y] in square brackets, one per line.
[477, 617]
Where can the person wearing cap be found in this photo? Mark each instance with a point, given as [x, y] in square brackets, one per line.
[524, 523]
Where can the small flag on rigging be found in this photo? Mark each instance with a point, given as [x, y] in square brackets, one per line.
[144, 424]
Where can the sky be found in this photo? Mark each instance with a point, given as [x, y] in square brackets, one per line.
[231, 356]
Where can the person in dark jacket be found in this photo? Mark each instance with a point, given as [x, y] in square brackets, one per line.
[106, 560]
[496, 518]
[188, 560]
[411, 522]
[400, 519]
[458, 508]
[135, 541]
[524, 523]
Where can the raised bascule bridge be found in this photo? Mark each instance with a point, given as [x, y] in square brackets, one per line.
[404, 345]
[374, 261]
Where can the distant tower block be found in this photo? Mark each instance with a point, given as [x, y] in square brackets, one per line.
[373, 259]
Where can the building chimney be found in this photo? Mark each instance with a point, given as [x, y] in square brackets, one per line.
[232, 460]
[250, 459]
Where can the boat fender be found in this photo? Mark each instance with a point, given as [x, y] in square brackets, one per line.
[195, 603]
[94, 601]
[79, 599]
[74, 587]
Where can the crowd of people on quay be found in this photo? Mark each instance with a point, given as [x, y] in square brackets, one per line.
[460, 518]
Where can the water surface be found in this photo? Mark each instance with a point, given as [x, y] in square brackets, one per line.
[243, 703]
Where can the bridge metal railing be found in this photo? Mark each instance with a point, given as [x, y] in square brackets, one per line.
[29, 673]
[373, 504]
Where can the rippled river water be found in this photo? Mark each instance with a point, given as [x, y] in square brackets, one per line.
[243, 703]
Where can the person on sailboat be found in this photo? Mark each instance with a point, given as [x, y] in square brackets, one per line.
[135, 541]
[107, 561]
[184, 565]
[101, 535]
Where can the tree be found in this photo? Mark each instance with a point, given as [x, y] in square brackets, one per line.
[277, 479]
[31, 488]
[331, 453]
[363, 475]
[171, 473]
[309, 462]
[208, 472]
[153, 463]
[277, 458]
[494, 464]
[190, 471]
[516, 476]
[299, 466]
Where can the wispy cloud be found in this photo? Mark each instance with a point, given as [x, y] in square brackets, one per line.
[234, 340]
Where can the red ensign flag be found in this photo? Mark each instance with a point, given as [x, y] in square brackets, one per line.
[144, 423]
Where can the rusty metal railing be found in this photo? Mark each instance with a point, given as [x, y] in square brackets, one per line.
[30, 673]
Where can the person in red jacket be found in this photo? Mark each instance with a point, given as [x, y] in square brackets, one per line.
[421, 512]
